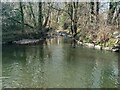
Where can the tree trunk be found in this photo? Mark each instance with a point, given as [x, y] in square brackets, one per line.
[40, 16]
[97, 15]
[57, 18]
[92, 11]
[22, 16]
[73, 17]
[112, 7]
[119, 20]
[97, 8]
[47, 18]
[31, 9]
[116, 18]
[75, 5]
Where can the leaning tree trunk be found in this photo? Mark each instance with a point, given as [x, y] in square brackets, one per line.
[22, 16]
[48, 15]
[57, 17]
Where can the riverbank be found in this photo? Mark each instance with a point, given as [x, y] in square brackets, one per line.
[85, 44]
[92, 45]
[108, 46]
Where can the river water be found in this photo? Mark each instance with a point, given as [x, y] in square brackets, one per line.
[57, 65]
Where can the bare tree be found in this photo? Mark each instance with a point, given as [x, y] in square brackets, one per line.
[40, 16]
[22, 15]
[33, 15]
[92, 11]
[112, 7]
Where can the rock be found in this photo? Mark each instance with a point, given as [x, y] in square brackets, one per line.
[116, 34]
[70, 36]
[80, 42]
[62, 33]
[98, 47]
[116, 49]
[90, 45]
[27, 41]
[4, 77]
[106, 48]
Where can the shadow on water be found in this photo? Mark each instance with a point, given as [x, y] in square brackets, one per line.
[119, 69]
[54, 64]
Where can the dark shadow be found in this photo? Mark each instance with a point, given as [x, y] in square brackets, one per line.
[74, 41]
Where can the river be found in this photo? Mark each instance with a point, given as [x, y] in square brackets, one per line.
[57, 65]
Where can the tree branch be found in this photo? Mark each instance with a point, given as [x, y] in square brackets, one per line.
[60, 10]
[20, 22]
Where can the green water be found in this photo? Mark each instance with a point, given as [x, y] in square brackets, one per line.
[58, 65]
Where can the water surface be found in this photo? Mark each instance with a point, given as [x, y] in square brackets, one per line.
[58, 65]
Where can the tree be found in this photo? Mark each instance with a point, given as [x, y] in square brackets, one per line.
[22, 16]
[97, 14]
[112, 7]
[33, 15]
[92, 11]
[72, 11]
[116, 17]
[40, 16]
[48, 15]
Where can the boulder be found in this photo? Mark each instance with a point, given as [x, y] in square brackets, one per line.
[90, 45]
[107, 48]
[80, 42]
[116, 49]
[116, 34]
[98, 47]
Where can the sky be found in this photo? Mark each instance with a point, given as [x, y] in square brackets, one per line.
[58, 0]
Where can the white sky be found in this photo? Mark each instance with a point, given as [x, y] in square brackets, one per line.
[58, 0]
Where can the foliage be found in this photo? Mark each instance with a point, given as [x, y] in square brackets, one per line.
[93, 23]
[8, 14]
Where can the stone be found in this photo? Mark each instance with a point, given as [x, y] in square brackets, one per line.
[116, 49]
[107, 48]
[26, 41]
[79, 42]
[98, 47]
[90, 45]
[116, 34]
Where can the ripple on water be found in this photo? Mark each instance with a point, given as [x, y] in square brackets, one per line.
[59, 66]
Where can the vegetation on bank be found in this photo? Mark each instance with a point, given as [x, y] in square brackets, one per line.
[87, 22]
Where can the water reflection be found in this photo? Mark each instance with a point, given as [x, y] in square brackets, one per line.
[56, 64]
[119, 70]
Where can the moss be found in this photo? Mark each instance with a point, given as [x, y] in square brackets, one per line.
[111, 42]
